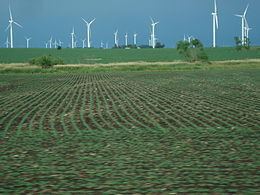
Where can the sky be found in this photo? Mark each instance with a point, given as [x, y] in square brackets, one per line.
[42, 19]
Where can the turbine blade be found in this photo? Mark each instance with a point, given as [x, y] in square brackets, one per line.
[18, 25]
[246, 23]
[216, 19]
[246, 10]
[239, 15]
[84, 20]
[7, 27]
[152, 20]
[215, 6]
[92, 21]
[10, 12]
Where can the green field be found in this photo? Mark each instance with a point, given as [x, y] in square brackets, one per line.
[93, 56]
[143, 132]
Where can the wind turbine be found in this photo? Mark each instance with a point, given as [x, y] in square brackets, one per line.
[27, 42]
[83, 43]
[101, 45]
[7, 42]
[56, 43]
[60, 43]
[184, 38]
[88, 24]
[116, 38]
[135, 36]
[153, 40]
[215, 22]
[243, 20]
[10, 26]
[50, 43]
[72, 38]
[247, 29]
[190, 38]
[46, 45]
[126, 39]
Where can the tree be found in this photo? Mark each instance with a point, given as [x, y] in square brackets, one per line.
[192, 51]
[240, 45]
[159, 45]
[47, 61]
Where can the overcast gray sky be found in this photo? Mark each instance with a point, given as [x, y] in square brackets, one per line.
[44, 18]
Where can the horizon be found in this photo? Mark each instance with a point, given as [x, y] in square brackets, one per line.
[49, 19]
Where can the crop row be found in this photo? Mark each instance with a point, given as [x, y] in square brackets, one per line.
[68, 103]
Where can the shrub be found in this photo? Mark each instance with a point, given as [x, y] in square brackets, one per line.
[192, 51]
[46, 61]
[242, 45]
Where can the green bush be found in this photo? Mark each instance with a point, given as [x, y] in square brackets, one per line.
[46, 61]
[192, 51]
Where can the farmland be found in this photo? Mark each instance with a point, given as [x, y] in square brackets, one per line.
[94, 56]
[192, 131]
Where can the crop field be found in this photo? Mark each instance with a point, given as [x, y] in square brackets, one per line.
[94, 56]
[156, 132]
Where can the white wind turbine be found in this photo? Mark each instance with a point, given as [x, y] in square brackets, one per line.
[72, 38]
[247, 29]
[7, 42]
[243, 19]
[215, 23]
[184, 38]
[135, 38]
[88, 24]
[50, 42]
[153, 39]
[60, 43]
[190, 38]
[27, 42]
[83, 43]
[56, 43]
[116, 38]
[126, 39]
[10, 26]
[101, 44]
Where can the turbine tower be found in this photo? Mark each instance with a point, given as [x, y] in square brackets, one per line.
[101, 45]
[184, 38]
[247, 29]
[126, 39]
[215, 23]
[243, 21]
[27, 42]
[135, 36]
[88, 24]
[7, 42]
[10, 26]
[50, 43]
[56, 43]
[153, 39]
[190, 38]
[83, 43]
[116, 38]
[60, 43]
[72, 38]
